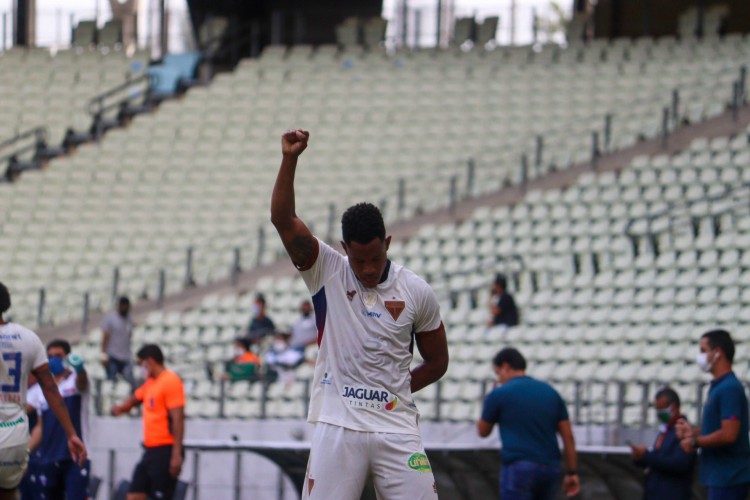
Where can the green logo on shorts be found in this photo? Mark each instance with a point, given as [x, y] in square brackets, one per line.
[419, 463]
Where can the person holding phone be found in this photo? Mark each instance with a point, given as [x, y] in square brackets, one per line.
[669, 468]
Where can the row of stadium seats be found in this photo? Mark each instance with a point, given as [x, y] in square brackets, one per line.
[598, 332]
[198, 172]
[41, 89]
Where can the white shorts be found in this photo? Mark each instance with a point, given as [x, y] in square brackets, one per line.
[13, 461]
[341, 459]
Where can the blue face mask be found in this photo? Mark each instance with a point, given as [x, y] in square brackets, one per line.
[56, 366]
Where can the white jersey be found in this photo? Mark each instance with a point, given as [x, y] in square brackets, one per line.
[365, 335]
[22, 352]
[76, 402]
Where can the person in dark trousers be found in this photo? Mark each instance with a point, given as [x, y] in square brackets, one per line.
[723, 435]
[669, 468]
[503, 310]
[530, 414]
[162, 397]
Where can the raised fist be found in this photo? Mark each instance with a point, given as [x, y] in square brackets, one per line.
[293, 142]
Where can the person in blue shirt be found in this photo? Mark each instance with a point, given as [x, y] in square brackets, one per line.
[57, 475]
[669, 468]
[530, 414]
[723, 435]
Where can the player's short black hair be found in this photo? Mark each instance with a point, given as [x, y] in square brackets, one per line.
[151, 351]
[722, 340]
[4, 298]
[124, 301]
[362, 223]
[670, 394]
[63, 344]
[260, 298]
[512, 356]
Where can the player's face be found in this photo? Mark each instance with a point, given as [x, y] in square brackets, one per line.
[368, 260]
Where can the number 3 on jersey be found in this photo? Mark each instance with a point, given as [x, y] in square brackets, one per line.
[13, 372]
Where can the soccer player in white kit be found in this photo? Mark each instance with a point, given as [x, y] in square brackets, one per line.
[369, 312]
[21, 353]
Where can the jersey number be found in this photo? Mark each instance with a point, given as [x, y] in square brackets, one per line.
[14, 372]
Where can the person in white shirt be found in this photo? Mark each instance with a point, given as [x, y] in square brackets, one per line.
[21, 353]
[304, 330]
[369, 312]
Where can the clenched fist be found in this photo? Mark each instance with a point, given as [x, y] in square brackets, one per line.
[293, 142]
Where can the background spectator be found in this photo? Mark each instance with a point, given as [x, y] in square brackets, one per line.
[260, 324]
[304, 331]
[669, 469]
[117, 334]
[282, 359]
[245, 365]
[503, 310]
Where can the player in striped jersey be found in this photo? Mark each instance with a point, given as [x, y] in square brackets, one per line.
[370, 312]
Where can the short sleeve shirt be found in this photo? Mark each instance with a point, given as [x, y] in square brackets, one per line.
[159, 395]
[362, 379]
[120, 334]
[22, 352]
[528, 412]
[725, 465]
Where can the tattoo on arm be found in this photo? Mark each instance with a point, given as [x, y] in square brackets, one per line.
[301, 250]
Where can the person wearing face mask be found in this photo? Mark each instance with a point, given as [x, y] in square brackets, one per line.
[723, 435]
[669, 468]
[304, 330]
[260, 324]
[57, 474]
[531, 414]
[162, 397]
[281, 359]
[244, 365]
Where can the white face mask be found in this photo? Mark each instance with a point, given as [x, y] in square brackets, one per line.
[254, 310]
[703, 362]
[238, 351]
[278, 345]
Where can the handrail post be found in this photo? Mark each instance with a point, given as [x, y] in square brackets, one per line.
[438, 399]
[261, 245]
[331, 221]
[594, 149]
[222, 397]
[644, 404]
[452, 195]
[538, 155]
[524, 171]
[161, 288]
[85, 317]
[115, 283]
[236, 266]
[112, 459]
[664, 127]
[675, 106]
[189, 278]
[470, 175]
[401, 203]
[40, 307]
[608, 131]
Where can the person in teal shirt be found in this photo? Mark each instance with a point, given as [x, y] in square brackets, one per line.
[530, 414]
[723, 436]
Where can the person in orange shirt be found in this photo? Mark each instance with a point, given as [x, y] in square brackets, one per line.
[163, 398]
[244, 365]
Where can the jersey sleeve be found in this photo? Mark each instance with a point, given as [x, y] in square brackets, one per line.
[174, 393]
[428, 312]
[327, 263]
[730, 404]
[106, 324]
[38, 353]
[35, 398]
[562, 414]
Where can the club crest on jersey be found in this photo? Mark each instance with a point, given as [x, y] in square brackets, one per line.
[368, 398]
[350, 295]
[395, 307]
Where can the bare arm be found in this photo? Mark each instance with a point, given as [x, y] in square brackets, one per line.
[724, 436]
[571, 483]
[177, 417]
[82, 381]
[57, 405]
[35, 439]
[484, 428]
[295, 235]
[433, 347]
[125, 406]
[105, 341]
